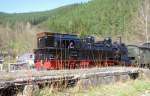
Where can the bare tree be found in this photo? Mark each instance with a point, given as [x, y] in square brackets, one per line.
[143, 19]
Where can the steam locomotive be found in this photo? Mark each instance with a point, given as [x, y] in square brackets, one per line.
[65, 51]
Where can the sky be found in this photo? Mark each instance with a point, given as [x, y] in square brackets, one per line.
[20, 6]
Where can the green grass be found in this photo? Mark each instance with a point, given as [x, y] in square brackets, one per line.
[130, 88]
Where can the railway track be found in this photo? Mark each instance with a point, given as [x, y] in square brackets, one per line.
[18, 79]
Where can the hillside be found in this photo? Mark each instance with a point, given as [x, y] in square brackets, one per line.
[33, 18]
[99, 17]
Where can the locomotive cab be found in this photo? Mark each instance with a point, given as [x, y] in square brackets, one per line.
[57, 40]
[54, 50]
[45, 41]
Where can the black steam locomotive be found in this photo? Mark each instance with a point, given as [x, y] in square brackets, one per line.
[65, 51]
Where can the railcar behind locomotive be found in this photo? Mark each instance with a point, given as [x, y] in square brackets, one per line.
[139, 55]
[66, 51]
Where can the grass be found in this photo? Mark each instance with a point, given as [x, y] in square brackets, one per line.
[130, 88]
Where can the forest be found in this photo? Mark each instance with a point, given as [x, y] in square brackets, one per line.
[101, 18]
